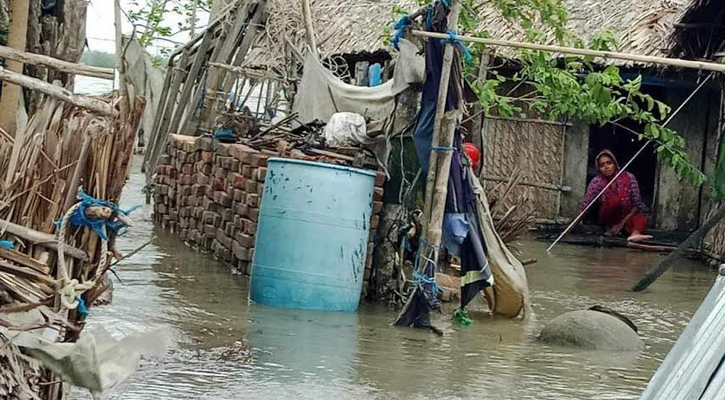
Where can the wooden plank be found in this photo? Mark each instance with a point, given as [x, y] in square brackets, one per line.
[23, 259]
[57, 92]
[189, 83]
[250, 37]
[56, 64]
[26, 273]
[41, 238]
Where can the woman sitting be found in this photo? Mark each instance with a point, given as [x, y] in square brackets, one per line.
[621, 204]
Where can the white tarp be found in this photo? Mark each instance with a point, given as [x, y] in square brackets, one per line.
[97, 361]
[321, 94]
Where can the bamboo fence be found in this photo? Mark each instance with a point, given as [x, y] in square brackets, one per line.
[63, 148]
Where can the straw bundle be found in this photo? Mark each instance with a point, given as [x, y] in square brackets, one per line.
[62, 149]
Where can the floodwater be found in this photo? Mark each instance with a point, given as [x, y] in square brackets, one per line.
[322, 355]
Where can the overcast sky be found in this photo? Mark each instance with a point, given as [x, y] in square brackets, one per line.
[100, 30]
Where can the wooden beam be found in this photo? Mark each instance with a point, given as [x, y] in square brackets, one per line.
[56, 92]
[17, 36]
[607, 55]
[24, 259]
[56, 64]
[41, 238]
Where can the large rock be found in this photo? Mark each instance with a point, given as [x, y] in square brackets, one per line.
[587, 329]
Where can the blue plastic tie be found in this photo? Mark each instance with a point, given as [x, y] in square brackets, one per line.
[6, 244]
[79, 216]
[402, 23]
[82, 308]
[453, 39]
[443, 149]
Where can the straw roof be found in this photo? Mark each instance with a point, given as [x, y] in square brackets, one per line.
[700, 33]
[356, 26]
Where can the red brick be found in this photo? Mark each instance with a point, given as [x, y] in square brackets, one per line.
[227, 215]
[377, 207]
[242, 209]
[207, 157]
[222, 238]
[378, 194]
[236, 180]
[247, 171]
[253, 200]
[223, 199]
[254, 214]
[185, 179]
[201, 179]
[259, 160]
[187, 169]
[374, 222]
[250, 227]
[219, 184]
[211, 218]
[261, 174]
[260, 188]
[245, 240]
[380, 179]
[209, 231]
[240, 196]
[197, 189]
[203, 168]
[250, 186]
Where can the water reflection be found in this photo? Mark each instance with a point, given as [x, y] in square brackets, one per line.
[315, 355]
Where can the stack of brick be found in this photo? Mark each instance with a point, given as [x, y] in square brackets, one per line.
[209, 193]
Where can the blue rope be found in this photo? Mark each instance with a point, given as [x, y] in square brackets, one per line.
[453, 39]
[443, 149]
[6, 244]
[79, 216]
[402, 23]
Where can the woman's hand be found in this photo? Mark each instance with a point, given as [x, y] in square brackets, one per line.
[616, 229]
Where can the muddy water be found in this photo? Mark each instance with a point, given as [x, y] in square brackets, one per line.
[316, 355]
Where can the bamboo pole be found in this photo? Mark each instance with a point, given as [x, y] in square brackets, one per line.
[439, 166]
[307, 14]
[57, 64]
[16, 38]
[607, 55]
[56, 92]
[440, 110]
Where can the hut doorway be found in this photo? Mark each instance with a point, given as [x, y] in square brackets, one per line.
[624, 145]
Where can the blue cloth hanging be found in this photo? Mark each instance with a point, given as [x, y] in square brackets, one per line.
[79, 217]
[6, 244]
[375, 72]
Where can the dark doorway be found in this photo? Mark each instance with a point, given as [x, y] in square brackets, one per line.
[624, 144]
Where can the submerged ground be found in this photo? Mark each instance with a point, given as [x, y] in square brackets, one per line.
[317, 355]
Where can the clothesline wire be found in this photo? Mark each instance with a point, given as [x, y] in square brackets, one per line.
[621, 170]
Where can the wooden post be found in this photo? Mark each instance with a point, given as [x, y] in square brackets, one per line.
[250, 36]
[57, 64]
[437, 123]
[16, 39]
[307, 15]
[477, 134]
[444, 127]
[189, 83]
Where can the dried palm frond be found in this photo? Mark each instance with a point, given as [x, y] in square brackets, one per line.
[510, 208]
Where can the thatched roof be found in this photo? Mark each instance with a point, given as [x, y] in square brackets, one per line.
[700, 33]
[356, 26]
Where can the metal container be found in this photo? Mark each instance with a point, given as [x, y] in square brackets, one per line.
[312, 236]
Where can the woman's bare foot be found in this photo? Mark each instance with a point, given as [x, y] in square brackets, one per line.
[636, 237]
